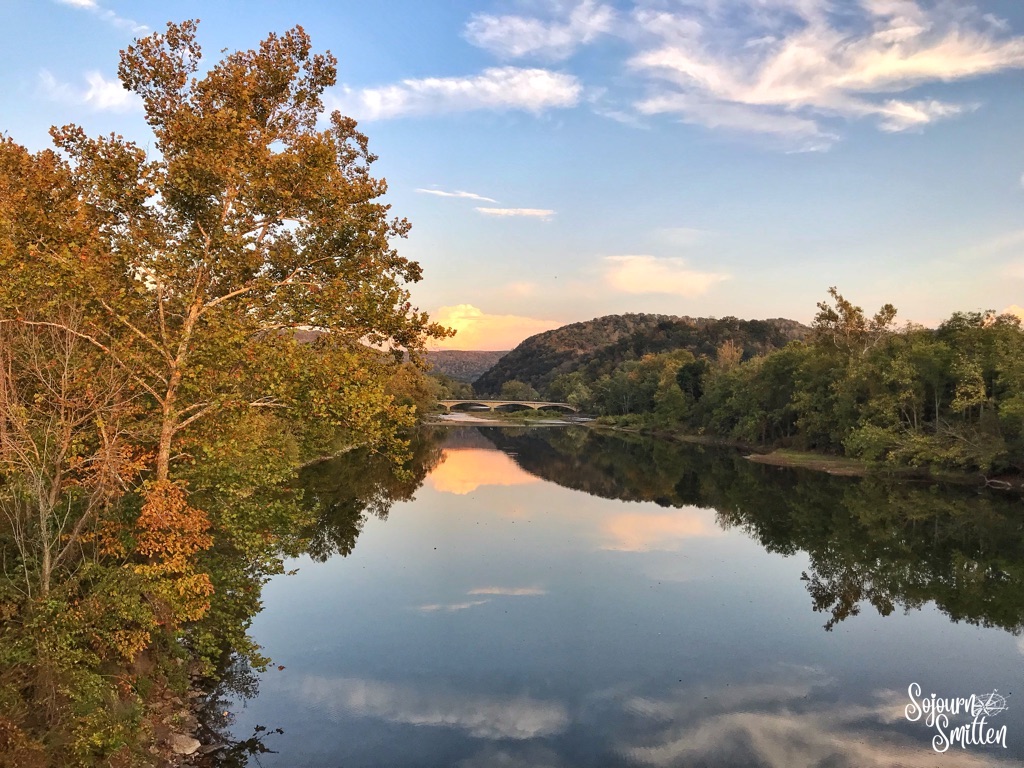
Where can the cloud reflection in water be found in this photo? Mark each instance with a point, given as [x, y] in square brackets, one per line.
[480, 716]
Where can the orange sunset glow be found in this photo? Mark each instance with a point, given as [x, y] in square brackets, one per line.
[478, 330]
[463, 470]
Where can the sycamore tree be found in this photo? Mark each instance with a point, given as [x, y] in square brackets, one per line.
[252, 213]
[181, 321]
[195, 265]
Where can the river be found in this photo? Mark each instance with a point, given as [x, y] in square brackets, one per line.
[560, 597]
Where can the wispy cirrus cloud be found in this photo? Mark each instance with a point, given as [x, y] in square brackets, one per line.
[496, 89]
[648, 274]
[509, 591]
[450, 607]
[1005, 243]
[106, 15]
[458, 194]
[786, 68]
[97, 93]
[556, 38]
[535, 213]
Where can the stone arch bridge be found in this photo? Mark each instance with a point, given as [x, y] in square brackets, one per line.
[496, 405]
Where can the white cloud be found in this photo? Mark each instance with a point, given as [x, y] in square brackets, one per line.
[484, 717]
[647, 274]
[496, 88]
[509, 591]
[459, 194]
[450, 607]
[516, 36]
[98, 93]
[107, 15]
[799, 133]
[782, 67]
[537, 213]
[1007, 242]
[478, 330]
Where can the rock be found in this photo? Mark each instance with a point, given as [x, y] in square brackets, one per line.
[182, 744]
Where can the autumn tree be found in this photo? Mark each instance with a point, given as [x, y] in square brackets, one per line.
[847, 327]
[157, 372]
[255, 214]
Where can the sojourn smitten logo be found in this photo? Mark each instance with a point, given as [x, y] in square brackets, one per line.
[958, 722]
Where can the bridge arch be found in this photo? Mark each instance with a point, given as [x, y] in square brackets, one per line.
[510, 407]
[464, 405]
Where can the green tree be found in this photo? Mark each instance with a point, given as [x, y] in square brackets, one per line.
[517, 390]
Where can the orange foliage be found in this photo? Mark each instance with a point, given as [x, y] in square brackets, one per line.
[169, 533]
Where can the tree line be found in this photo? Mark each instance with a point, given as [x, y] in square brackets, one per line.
[949, 398]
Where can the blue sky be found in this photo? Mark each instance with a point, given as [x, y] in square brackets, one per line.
[565, 159]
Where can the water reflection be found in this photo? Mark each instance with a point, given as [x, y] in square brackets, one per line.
[343, 493]
[646, 605]
[781, 725]
[483, 717]
[469, 462]
[638, 532]
[872, 541]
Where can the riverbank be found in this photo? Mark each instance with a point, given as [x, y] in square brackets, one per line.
[842, 466]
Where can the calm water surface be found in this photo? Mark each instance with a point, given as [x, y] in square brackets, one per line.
[555, 597]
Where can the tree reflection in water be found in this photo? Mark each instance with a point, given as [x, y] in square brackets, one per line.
[869, 541]
[878, 541]
[339, 494]
[344, 492]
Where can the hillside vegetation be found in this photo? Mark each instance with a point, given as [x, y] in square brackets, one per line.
[462, 365]
[597, 347]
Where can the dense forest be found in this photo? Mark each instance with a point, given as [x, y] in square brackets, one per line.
[158, 390]
[947, 398]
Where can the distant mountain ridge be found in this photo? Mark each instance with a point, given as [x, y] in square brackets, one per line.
[462, 365]
[600, 344]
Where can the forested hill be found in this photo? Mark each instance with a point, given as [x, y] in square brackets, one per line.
[597, 346]
[462, 365]
[540, 358]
